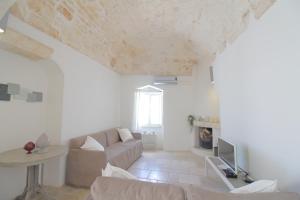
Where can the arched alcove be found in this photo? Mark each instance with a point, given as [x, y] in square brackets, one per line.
[55, 85]
[54, 169]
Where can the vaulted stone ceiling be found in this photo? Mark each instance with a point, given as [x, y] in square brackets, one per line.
[157, 37]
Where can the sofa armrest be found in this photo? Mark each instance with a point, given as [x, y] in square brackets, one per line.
[84, 166]
[137, 136]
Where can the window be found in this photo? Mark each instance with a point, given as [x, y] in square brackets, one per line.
[148, 107]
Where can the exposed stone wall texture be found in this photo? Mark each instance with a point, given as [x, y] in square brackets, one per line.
[4, 6]
[21, 44]
[157, 37]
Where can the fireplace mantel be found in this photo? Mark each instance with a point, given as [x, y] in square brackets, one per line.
[206, 124]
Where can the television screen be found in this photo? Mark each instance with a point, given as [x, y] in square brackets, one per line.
[227, 153]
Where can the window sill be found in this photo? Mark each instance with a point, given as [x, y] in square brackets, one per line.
[150, 127]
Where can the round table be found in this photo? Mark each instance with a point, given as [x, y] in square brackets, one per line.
[35, 167]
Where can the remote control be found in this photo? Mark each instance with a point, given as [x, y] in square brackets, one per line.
[248, 179]
[229, 173]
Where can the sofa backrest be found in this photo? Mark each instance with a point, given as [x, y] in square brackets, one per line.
[196, 193]
[112, 136]
[79, 141]
[126, 189]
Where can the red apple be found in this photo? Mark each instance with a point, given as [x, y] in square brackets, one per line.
[29, 147]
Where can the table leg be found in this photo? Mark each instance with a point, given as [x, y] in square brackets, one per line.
[206, 169]
[42, 175]
[33, 188]
[30, 188]
[41, 186]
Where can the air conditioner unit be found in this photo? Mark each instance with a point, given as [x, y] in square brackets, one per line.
[165, 80]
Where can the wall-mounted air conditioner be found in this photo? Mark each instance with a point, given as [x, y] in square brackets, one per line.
[165, 80]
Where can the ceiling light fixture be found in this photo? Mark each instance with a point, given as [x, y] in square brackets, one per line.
[3, 22]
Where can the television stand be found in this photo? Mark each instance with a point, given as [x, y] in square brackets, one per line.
[218, 166]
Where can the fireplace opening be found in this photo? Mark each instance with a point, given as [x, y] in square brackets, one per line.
[206, 138]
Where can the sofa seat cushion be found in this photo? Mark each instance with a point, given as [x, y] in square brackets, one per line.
[131, 143]
[115, 150]
[124, 154]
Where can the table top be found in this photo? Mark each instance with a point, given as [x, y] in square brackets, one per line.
[19, 157]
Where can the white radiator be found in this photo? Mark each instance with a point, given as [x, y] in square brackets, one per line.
[149, 140]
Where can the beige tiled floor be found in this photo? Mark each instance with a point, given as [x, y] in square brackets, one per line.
[168, 167]
[174, 167]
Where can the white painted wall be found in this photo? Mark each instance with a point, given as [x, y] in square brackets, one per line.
[179, 102]
[206, 97]
[21, 121]
[258, 83]
[55, 85]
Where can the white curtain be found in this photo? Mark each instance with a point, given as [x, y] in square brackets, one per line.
[153, 136]
[147, 110]
[136, 125]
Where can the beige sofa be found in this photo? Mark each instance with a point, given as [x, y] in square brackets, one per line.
[84, 166]
[108, 188]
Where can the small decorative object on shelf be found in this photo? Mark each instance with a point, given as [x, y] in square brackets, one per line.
[42, 143]
[201, 118]
[29, 147]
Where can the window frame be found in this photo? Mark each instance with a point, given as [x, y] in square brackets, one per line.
[149, 95]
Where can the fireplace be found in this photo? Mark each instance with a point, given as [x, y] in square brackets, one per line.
[206, 138]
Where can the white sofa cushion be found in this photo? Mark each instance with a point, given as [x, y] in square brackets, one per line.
[112, 171]
[125, 134]
[258, 186]
[92, 145]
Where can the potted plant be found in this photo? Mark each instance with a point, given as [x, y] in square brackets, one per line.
[191, 119]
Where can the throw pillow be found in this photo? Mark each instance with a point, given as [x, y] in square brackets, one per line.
[92, 145]
[258, 186]
[112, 171]
[125, 134]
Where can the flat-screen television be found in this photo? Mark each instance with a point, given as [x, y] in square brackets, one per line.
[227, 152]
